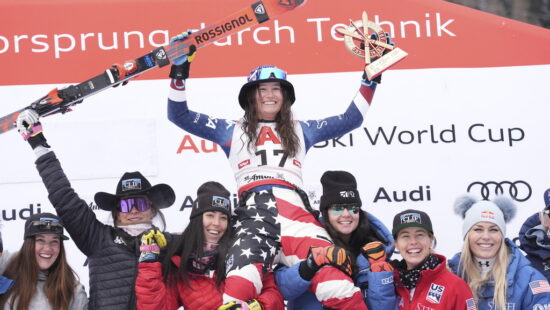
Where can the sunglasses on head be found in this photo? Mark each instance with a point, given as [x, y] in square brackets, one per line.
[141, 203]
[46, 223]
[338, 210]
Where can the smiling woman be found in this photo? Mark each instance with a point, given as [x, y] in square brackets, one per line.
[192, 274]
[422, 276]
[43, 278]
[113, 252]
[495, 269]
[266, 149]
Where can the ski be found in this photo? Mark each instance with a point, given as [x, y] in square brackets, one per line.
[61, 100]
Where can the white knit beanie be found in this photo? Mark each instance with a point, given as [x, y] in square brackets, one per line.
[499, 211]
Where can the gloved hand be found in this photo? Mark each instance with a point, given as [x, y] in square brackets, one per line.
[151, 243]
[321, 256]
[29, 127]
[252, 304]
[181, 65]
[375, 252]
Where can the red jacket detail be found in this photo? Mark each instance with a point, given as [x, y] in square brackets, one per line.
[436, 289]
[153, 294]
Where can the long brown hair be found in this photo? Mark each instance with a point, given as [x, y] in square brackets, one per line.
[23, 269]
[284, 120]
[189, 245]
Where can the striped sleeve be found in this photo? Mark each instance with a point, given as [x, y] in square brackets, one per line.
[217, 130]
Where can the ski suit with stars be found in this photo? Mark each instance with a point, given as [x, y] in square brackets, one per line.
[273, 222]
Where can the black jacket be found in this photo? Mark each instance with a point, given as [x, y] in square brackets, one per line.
[112, 253]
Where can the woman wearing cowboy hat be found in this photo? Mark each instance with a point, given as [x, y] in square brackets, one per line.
[112, 251]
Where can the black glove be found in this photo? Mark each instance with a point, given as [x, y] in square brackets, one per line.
[181, 65]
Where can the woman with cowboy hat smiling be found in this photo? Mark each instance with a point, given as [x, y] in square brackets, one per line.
[112, 251]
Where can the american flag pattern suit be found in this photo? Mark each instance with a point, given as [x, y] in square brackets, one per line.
[273, 224]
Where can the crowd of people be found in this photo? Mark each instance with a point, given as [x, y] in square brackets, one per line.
[272, 250]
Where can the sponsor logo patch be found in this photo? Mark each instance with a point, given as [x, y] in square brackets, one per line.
[435, 293]
[410, 218]
[220, 202]
[131, 184]
[487, 215]
[347, 194]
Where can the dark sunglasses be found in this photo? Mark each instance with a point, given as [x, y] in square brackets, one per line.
[338, 210]
[141, 204]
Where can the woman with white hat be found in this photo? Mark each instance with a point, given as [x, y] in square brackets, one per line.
[493, 266]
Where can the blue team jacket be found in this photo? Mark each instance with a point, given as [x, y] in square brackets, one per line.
[527, 288]
[536, 244]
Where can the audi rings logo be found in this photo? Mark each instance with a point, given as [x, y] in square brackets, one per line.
[518, 190]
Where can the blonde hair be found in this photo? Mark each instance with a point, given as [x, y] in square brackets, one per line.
[469, 272]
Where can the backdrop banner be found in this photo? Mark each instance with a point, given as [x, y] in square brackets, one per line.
[466, 111]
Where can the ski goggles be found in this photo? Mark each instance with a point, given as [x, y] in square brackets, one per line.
[338, 210]
[266, 73]
[141, 203]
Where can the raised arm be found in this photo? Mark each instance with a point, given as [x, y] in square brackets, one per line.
[217, 130]
[79, 220]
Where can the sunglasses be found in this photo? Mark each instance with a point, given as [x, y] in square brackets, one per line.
[265, 73]
[141, 204]
[338, 210]
[46, 223]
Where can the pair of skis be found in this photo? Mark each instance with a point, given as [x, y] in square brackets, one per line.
[61, 100]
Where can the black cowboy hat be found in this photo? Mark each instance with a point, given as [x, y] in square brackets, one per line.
[132, 184]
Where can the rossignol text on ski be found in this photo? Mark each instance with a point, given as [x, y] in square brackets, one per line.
[61, 100]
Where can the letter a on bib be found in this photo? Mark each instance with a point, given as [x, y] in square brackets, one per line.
[266, 134]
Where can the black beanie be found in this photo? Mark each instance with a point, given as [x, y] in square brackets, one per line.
[339, 187]
[211, 196]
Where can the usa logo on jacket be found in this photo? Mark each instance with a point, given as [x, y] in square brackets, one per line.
[435, 293]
